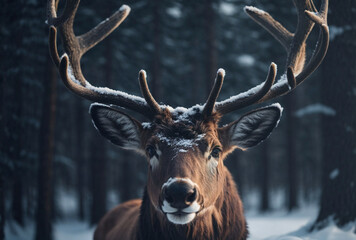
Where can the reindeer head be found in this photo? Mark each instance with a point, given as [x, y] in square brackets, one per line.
[185, 148]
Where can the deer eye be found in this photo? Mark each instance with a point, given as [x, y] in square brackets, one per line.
[216, 152]
[151, 151]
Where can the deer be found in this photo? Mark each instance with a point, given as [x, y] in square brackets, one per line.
[189, 193]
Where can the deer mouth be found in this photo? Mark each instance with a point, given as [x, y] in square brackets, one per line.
[180, 217]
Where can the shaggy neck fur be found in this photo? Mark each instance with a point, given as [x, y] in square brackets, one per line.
[223, 221]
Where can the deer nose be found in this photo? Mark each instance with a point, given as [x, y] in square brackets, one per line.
[180, 194]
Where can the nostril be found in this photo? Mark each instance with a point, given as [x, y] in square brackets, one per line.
[191, 196]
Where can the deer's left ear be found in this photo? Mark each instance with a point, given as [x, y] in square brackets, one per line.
[253, 127]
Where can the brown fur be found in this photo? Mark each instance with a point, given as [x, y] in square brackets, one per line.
[221, 216]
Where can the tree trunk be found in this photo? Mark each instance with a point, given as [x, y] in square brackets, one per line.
[98, 163]
[17, 200]
[16, 144]
[338, 198]
[2, 207]
[211, 49]
[46, 144]
[80, 164]
[2, 149]
[236, 157]
[265, 178]
[127, 177]
[195, 76]
[292, 168]
[157, 36]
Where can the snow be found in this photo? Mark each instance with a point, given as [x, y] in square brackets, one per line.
[330, 232]
[315, 109]
[70, 72]
[180, 143]
[222, 71]
[275, 224]
[335, 31]
[144, 73]
[62, 231]
[174, 12]
[277, 105]
[294, 226]
[108, 91]
[181, 114]
[146, 125]
[73, 230]
[228, 9]
[124, 8]
[254, 9]
[246, 60]
[334, 173]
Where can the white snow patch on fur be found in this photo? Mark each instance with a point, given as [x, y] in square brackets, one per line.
[146, 125]
[180, 144]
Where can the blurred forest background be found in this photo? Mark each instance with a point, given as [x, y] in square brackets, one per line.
[49, 147]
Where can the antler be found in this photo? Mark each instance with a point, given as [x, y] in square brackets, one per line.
[76, 46]
[295, 44]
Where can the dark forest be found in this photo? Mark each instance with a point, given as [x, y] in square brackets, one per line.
[56, 169]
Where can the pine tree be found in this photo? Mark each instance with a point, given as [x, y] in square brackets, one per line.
[338, 128]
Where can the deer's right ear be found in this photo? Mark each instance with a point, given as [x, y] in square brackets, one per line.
[118, 127]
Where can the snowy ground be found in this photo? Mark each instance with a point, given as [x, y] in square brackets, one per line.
[270, 226]
[294, 226]
[68, 230]
[263, 226]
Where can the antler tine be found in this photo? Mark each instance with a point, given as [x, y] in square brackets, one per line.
[75, 46]
[277, 30]
[69, 10]
[147, 94]
[110, 97]
[320, 19]
[69, 65]
[97, 34]
[318, 57]
[295, 46]
[214, 93]
[250, 97]
[52, 11]
[52, 42]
